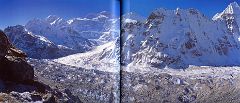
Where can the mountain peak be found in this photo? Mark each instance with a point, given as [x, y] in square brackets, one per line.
[232, 8]
[104, 14]
[235, 4]
[133, 16]
[52, 18]
[17, 28]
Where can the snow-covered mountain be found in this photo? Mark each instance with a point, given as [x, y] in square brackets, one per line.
[89, 27]
[179, 38]
[36, 46]
[54, 37]
[231, 18]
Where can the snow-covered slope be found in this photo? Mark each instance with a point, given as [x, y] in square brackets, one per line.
[104, 58]
[178, 38]
[57, 30]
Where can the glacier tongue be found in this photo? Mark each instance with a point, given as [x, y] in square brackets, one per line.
[104, 58]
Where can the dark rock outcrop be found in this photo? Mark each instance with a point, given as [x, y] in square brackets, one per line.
[4, 44]
[15, 69]
[13, 66]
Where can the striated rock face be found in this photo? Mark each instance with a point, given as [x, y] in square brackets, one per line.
[178, 38]
[13, 66]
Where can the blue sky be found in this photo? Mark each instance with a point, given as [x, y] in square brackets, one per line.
[208, 7]
[13, 12]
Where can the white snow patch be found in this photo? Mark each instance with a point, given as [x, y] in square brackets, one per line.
[130, 21]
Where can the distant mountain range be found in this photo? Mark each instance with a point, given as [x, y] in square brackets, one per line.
[55, 37]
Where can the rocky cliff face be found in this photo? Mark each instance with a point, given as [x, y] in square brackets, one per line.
[178, 38]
